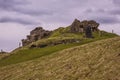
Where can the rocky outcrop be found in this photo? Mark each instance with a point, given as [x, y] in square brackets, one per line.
[85, 26]
[82, 27]
[36, 34]
[78, 26]
[88, 32]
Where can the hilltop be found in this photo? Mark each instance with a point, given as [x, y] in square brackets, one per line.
[76, 32]
[54, 41]
[78, 51]
[86, 27]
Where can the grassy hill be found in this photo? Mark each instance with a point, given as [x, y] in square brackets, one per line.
[61, 34]
[63, 56]
[97, 60]
[3, 55]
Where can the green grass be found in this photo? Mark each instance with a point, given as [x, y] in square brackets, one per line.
[93, 61]
[28, 54]
[63, 34]
[60, 32]
[3, 55]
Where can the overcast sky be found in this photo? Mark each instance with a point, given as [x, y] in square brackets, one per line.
[19, 17]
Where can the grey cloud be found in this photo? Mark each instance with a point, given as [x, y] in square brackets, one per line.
[74, 3]
[103, 16]
[50, 8]
[6, 4]
[19, 6]
[114, 12]
[34, 12]
[107, 20]
[10, 4]
[90, 10]
[17, 20]
[116, 2]
[101, 11]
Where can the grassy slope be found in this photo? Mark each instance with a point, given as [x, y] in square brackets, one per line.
[26, 54]
[3, 55]
[93, 61]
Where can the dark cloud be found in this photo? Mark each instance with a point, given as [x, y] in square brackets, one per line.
[100, 11]
[107, 20]
[10, 4]
[103, 16]
[57, 10]
[17, 6]
[90, 10]
[7, 4]
[116, 2]
[114, 12]
[72, 3]
[16, 20]
[34, 12]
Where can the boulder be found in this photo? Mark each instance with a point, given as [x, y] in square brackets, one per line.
[75, 26]
[36, 34]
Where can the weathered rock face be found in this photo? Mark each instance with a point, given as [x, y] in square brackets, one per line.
[88, 32]
[78, 26]
[36, 34]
